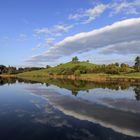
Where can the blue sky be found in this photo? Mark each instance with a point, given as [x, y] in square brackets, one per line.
[41, 32]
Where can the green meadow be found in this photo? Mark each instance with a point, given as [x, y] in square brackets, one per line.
[84, 70]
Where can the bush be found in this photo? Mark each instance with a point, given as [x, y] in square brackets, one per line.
[77, 73]
[112, 69]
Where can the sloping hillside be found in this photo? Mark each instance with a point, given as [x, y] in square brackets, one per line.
[63, 69]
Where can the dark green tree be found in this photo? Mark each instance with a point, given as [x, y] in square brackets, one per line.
[117, 64]
[48, 66]
[3, 69]
[75, 59]
[112, 69]
[124, 67]
[137, 64]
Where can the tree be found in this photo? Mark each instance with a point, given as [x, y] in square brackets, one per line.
[112, 69]
[75, 59]
[11, 70]
[124, 67]
[48, 66]
[137, 63]
[3, 69]
[117, 64]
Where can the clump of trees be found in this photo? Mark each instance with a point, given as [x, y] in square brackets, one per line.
[7, 70]
[20, 70]
[112, 69]
[14, 70]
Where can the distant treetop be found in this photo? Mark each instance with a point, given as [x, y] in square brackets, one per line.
[75, 59]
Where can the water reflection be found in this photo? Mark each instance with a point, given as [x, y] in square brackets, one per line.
[137, 92]
[76, 86]
[13, 80]
[35, 111]
[4, 81]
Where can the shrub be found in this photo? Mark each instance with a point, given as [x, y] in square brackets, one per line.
[112, 69]
[77, 73]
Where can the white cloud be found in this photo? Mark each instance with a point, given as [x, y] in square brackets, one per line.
[39, 45]
[60, 29]
[117, 33]
[129, 47]
[42, 31]
[56, 30]
[89, 15]
[49, 35]
[49, 42]
[125, 7]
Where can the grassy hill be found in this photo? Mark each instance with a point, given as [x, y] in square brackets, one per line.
[87, 71]
[62, 69]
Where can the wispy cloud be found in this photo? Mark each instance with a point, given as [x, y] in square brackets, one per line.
[49, 42]
[125, 7]
[109, 36]
[47, 36]
[88, 15]
[56, 30]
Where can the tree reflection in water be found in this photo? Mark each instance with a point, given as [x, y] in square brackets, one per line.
[77, 85]
[137, 92]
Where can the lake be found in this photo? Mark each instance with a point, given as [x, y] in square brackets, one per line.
[69, 110]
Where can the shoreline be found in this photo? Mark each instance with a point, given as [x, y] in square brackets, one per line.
[97, 78]
[84, 77]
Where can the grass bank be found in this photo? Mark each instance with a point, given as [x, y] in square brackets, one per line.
[43, 76]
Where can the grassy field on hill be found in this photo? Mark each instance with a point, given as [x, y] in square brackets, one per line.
[62, 69]
[86, 71]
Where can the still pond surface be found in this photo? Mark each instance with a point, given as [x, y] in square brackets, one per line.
[69, 110]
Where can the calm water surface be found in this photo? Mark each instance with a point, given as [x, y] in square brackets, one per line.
[69, 110]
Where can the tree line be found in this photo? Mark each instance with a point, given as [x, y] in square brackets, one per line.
[13, 70]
